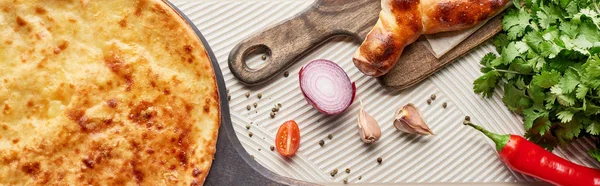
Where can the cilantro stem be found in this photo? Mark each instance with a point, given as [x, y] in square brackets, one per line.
[512, 72]
[506, 71]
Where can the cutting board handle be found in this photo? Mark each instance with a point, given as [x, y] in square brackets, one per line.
[288, 41]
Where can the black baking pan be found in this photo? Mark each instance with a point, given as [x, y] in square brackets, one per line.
[232, 165]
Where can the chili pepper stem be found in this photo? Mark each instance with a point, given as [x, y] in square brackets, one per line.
[498, 139]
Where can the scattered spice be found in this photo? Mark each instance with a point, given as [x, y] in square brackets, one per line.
[248, 127]
[252, 156]
[359, 177]
[379, 160]
[348, 170]
[255, 105]
[330, 136]
[321, 143]
[250, 134]
[258, 149]
[429, 101]
[264, 57]
[259, 95]
[272, 148]
[433, 96]
[345, 180]
[275, 109]
[228, 98]
[286, 74]
[467, 118]
[248, 107]
[444, 105]
[333, 173]
[247, 94]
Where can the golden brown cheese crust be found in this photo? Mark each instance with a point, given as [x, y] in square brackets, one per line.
[103, 93]
[401, 22]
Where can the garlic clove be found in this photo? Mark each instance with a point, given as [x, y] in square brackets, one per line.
[369, 129]
[408, 119]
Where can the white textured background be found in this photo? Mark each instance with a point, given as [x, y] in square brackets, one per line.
[455, 154]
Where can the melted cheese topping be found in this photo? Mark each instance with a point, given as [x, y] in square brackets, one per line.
[103, 92]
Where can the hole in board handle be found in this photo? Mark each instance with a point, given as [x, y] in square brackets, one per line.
[257, 57]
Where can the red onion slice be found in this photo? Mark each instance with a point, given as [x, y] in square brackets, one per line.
[326, 86]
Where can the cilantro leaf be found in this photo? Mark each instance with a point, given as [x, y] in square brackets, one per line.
[566, 100]
[593, 128]
[542, 125]
[569, 130]
[582, 43]
[521, 47]
[595, 153]
[485, 84]
[487, 59]
[572, 8]
[515, 22]
[548, 59]
[509, 53]
[582, 91]
[590, 31]
[530, 115]
[591, 109]
[533, 39]
[500, 41]
[569, 81]
[550, 100]
[536, 61]
[514, 98]
[546, 79]
[520, 66]
[545, 20]
[549, 49]
[569, 29]
[565, 116]
[589, 14]
[537, 95]
[591, 72]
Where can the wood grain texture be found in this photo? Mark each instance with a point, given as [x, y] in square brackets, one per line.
[293, 38]
[417, 63]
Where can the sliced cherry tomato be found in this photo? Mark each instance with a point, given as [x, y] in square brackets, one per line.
[287, 140]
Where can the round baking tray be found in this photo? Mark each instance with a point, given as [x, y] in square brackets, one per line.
[232, 165]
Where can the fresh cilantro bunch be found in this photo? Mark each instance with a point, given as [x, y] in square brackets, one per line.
[549, 65]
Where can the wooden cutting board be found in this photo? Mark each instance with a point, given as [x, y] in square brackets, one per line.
[288, 41]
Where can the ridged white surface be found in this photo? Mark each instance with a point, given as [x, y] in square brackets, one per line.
[456, 154]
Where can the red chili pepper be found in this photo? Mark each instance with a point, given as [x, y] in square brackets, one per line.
[526, 157]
